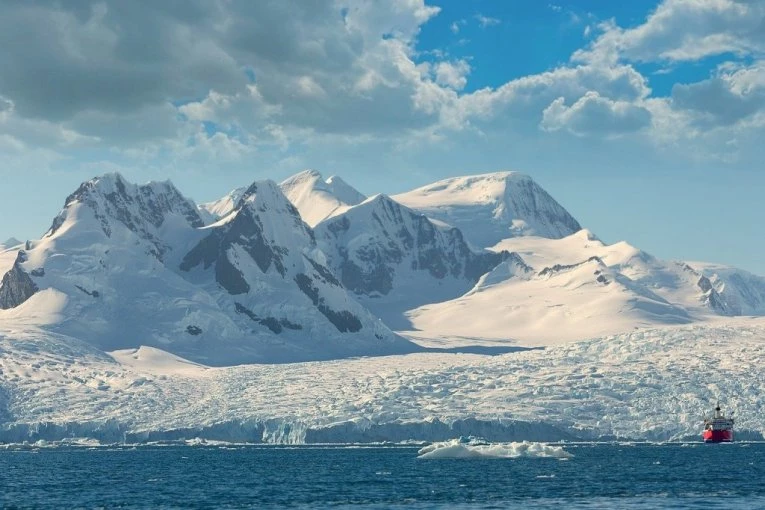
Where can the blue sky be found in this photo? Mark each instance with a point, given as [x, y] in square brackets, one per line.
[644, 119]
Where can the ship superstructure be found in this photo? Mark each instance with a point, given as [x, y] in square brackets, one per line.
[718, 428]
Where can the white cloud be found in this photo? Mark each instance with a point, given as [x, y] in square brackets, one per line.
[487, 21]
[593, 114]
[728, 98]
[287, 78]
[456, 26]
[452, 74]
[680, 30]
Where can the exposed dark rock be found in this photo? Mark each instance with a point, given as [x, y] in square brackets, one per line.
[229, 277]
[344, 320]
[39, 272]
[16, 286]
[324, 272]
[704, 284]
[399, 232]
[93, 293]
[712, 298]
[245, 231]
[557, 268]
[275, 325]
[205, 252]
[193, 330]
[305, 284]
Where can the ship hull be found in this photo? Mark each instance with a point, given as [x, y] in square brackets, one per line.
[718, 436]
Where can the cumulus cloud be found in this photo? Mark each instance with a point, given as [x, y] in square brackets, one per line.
[593, 114]
[452, 74]
[336, 66]
[725, 99]
[682, 30]
[144, 78]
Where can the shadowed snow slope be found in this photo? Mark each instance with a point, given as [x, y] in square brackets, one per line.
[654, 384]
[491, 207]
[126, 265]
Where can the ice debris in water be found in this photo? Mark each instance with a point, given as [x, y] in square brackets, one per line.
[471, 447]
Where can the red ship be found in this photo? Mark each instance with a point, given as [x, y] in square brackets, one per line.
[718, 429]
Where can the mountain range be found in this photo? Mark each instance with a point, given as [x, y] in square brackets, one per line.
[312, 269]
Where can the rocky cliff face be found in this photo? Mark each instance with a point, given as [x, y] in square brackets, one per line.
[393, 257]
[142, 209]
[373, 242]
[266, 229]
[16, 286]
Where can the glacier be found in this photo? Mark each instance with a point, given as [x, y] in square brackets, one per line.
[653, 385]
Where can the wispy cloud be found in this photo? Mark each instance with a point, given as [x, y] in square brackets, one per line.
[487, 21]
[457, 25]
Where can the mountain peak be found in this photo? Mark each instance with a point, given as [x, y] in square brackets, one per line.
[317, 198]
[587, 235]
[491, 207]
[10, 242]
[142, 209]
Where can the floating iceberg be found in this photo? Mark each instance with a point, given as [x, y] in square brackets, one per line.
[474, 448]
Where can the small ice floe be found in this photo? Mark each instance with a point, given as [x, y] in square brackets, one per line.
[466, 448]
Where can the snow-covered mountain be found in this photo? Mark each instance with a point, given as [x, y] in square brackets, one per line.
[8, 255]
[249, 280]
[491, 207]
[395, 259]
[217, 209]
[316, 198]
[9, 243]
[573, 286]
[126, 265]
[579, 287]
[275, 278]
[741, 292]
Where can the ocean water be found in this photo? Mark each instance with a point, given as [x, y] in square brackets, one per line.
[597, 476]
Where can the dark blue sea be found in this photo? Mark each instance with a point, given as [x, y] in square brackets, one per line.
[598, 476]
